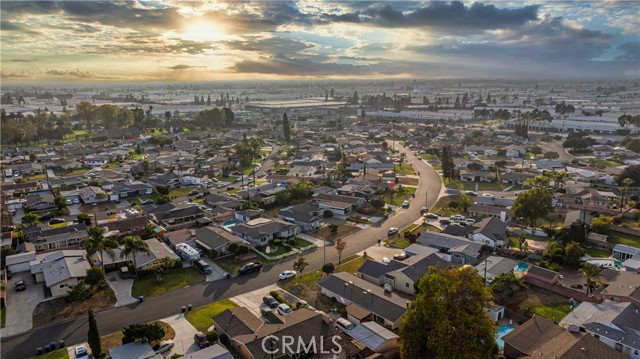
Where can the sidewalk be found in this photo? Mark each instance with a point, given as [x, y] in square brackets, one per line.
[311, 239]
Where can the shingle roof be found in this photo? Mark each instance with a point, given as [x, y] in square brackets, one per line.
[569, 345]
[376, 269]
[304, 212]
[492, 228]
[532, 334]
[215, 237]
[452, 243]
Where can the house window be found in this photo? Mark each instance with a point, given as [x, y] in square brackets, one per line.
[597, 336]
[64, 285]
[406, 285]
[619, 347]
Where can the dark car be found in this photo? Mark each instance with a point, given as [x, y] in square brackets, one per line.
[20, 286]
[250, 267]
[45, 217]
[56, 220]
[445, 221]
[270, 301]
[193, 193]
[392, 231]
[201, 339]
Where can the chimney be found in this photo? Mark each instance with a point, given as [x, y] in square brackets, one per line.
[503, 216]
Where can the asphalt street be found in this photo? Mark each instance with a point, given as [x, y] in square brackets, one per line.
[74, 330]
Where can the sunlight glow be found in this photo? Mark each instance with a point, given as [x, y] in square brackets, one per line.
[203, 31]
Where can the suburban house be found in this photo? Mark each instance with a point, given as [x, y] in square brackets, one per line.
[133, 350]
[247, 215]
[215, 351]
[92, 194]
[629, 256]
[615, 324]
[215, 238]
[222, 200]
[307, 216]
[59, 270]
[262, 230]
[56, 238]
[158, 251]
[129, 225]
[462, 250]
[96, 160]
[387, 308]
[400, 275]
[243, 331]
[20, 262]
[122, 190]
[477, 176]
[169, 214]
[338, 204]
[265, 193]
[536, 274]
[491, 232]
[165, 181]
[375, 337]
[40, 201]
[494, 265]
[622, 286]
[540, 338]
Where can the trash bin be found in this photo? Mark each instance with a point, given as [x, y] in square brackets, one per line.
[39, 351]
[228, 275]
[189, 307]
[61, 344]
[141, 299]
[184, 309]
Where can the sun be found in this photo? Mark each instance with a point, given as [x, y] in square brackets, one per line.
[203, 31]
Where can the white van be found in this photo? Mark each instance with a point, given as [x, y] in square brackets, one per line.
[8, 172]
[344, 325]
[187, 252]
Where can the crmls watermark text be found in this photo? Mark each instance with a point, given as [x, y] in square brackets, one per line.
[288, 344]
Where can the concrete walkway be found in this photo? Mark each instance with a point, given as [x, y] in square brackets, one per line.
[184, 343]
[121, 288]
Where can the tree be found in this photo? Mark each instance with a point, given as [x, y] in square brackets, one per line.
[551, 155]
[624, 189]
[572, 254]
[601, 224]
[30, 219]
[93, 336]
[505, 285]
[60, 202]
[632, 172]
[97, 243]
[95, 276]
[448, 167]
[142, 332]
[328, 268]
[554, 253]
[448, 309]
[590, 272]
[78, 293]
[340, 246]
[282, 198]
[533, 204]
[84, 218]
[286, 128]
[131, 246]
[465, 202]
[300, 264]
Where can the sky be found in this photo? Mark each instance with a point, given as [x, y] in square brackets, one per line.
[118, 41]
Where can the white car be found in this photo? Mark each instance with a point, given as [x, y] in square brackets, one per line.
[284, 309]
[165, 346]
[457, 217]
[81, 352]
[288, 274]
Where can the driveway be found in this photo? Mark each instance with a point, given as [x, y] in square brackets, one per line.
[377, 253]
[253, 300]
[121, 288]
[184, 335]
[216, 273]
[20, 305]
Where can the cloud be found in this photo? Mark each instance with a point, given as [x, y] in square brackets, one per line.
[631, 51]
[73, 74]
[21, 60]
[17, 27]
[453, 16]
[272, 45]
[184, 67]
[21, 74]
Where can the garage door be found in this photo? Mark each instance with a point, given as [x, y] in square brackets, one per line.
[20, 267]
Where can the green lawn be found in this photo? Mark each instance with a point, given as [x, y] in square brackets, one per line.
[181, 192]
[428, 156]
[59, 225]
[606, 163]
[622, 238]
[299, 243]
[259, 182]
[404, 169]
[410, 228]
[56, 354]
[597, 252]
[35, 177]
[233, 191]
[553, 311]
[397, 241]
[135, 156]
[280, 249]
[246, 171]
[74, 172]
[461, 185]
[112, 165]
[491, 186]
[201, 317]
[398, 198]
[171, 280]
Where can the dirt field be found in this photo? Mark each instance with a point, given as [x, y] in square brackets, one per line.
[57, 309]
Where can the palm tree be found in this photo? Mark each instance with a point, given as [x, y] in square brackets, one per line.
[465, 202]
[133, 245]
[97, 243]
[624, 189]
[590, 271]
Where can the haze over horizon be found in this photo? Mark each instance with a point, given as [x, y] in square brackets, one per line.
[139, 41]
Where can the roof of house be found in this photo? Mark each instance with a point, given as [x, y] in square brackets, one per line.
[124, 225]
[626, 249]
[215, 351]
[541, 272]
[452, 243]
[622, 315]
[376, 269]
[417, 248]
[215, 237]
[357, 311]
[496, 265]
[460, 231]
[261, 226]
[133, 350]
[178, 212]
[387, 305]
[372, 335]
[621, 283]
[20, 258]
[304, 212]
[532, 334]
[338, 198]
[418, 266]
[60, 265]
[492, 228]
[568, 345]
[33, 198]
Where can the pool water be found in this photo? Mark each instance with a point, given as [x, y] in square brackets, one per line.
[502, 331]
[606, 263]
[521, 267]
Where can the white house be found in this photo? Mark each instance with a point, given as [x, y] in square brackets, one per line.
[95, 160]
[60, 269]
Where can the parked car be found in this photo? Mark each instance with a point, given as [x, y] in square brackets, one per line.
[344, 325]
[265, 311]
[288, 274]
[201, 340]
[203, 266]
[284, 309]
[400, 256]
[270, 301]
[457, 217]
[405, 204]
[445, 221]
[423, 210]
[45, 217]
[471, 193]
[431, 216]
[81, 352]
[193, 193]
[250, 267]
[56, 220]
[392, 231]
[147, 201]
[165, 346]
[302, 304]
[21, 285]
[470, 221]
[69, 202]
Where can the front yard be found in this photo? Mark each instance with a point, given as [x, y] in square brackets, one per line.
[443, 206]
[343, 230]
[58, 309]
[175, 279]
[597, 252]
[404, 169]
[115, 339]
[623, 238]
[399, 196]
[182, 191]
[491, 186]
[200, 318]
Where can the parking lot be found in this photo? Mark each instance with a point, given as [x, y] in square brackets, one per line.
[20, 305]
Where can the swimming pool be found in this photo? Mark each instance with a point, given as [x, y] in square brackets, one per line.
[521, 267]
[606, 263]
[502, 331]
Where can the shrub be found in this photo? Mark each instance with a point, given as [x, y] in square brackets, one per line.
[212, 336]
[334, 228]
[144, 332]
[277, 241]
[291, 241]
[287, 248]
[328, 268]
[233, 247]
[328, 214]
[78, 293]
[95, 275]
[276, 296]
[242, 249]
[260, 248]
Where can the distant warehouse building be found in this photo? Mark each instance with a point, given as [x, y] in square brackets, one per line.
[604, 125]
